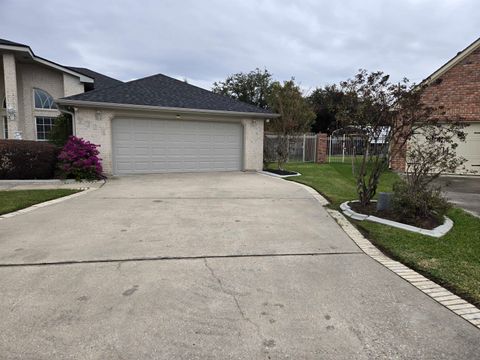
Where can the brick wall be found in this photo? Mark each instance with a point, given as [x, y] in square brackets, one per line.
[322, 147]
[458, 90]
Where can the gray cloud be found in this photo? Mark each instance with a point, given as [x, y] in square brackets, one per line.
[317, 42]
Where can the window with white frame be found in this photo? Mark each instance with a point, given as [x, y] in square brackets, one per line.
[43, 100]
[44, 126]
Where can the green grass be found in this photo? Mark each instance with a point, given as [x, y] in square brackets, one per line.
[13, 200]
[452, 261]
[335, 180]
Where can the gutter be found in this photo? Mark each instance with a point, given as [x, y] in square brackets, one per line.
[27, 49]
[104, 105]
[72, 114]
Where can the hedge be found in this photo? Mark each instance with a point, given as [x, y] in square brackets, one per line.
[23, 159]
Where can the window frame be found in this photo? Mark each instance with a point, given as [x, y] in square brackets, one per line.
[55, 108]
[52, 121]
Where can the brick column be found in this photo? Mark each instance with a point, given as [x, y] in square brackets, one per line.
[11, 95]
[322, 148]
[398, 162]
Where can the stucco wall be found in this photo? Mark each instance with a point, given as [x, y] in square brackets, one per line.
[72, 85]
[22, 79]
[253, 144]
[95, 125]
[10, 78]
[34, 76]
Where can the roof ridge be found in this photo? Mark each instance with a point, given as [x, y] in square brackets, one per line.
[78, 69]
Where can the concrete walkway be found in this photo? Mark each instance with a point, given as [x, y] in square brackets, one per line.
[207, 266]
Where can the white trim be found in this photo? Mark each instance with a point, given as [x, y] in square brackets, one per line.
[437, 232]
[454, 61]
[105, 105]
[269, 173]
[83, 78]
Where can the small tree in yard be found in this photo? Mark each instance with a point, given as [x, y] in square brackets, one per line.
[296, 116]
[431, 154]
[390, 113]
[61, 130]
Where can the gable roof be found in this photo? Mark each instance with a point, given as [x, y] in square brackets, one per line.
[163, 92]
[14, 46]
[454, 61]
[101, 81]
[11, 43]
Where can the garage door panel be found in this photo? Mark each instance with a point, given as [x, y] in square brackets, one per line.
[154, 146]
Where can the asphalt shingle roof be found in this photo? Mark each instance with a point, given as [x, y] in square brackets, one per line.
[101, 81]
[12, 43]
[163, 91]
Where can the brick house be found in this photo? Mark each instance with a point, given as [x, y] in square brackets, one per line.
[456, 87]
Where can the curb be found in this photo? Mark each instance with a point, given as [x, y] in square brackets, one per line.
[277, 175]
[438, 293]
[47, 203]
[437, 232]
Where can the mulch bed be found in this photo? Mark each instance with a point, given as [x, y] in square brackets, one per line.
[371, 209]
[281, 172]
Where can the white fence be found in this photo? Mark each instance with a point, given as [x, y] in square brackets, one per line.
[344, 148]
[301, 148]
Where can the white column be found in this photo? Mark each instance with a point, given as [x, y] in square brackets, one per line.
[11, 95]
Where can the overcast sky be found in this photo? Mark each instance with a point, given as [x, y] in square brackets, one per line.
[317, 42]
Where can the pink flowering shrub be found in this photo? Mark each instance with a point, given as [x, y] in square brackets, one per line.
[79, 160]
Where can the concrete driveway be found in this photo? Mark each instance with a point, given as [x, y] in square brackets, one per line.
[463, 191]
[207, 266]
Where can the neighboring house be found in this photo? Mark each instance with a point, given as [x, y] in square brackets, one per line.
[456, 87]
[151, 125]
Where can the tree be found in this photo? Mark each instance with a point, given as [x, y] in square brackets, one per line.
[384, 112]
[431, 152]
[253, 87]
[61, 130]
[324, 102]
[296, 115]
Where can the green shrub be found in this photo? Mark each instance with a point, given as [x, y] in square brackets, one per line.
[23, 160]
[412, 203]
[61, 130]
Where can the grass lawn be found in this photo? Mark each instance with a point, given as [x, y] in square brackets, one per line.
[452, 261]
[334, 181]
[13, 200]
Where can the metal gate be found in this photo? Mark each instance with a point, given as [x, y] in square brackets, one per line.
[301, 148]
[344, 148]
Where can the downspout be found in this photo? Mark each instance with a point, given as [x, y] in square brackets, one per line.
[72, 114]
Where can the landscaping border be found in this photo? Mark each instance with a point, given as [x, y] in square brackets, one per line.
[437, 232]
[278, 176]
[438, 293]
[82, 191]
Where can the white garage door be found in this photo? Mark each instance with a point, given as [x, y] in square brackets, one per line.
[470, 149]
[157, 146]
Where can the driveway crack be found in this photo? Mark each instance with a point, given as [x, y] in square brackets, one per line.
[234, 297]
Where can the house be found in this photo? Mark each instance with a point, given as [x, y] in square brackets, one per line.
[456, 87]
[151, 125]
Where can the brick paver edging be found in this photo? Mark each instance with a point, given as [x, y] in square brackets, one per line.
[443, 296]
[47, 203]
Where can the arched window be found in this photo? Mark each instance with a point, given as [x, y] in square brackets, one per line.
[43, 100]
